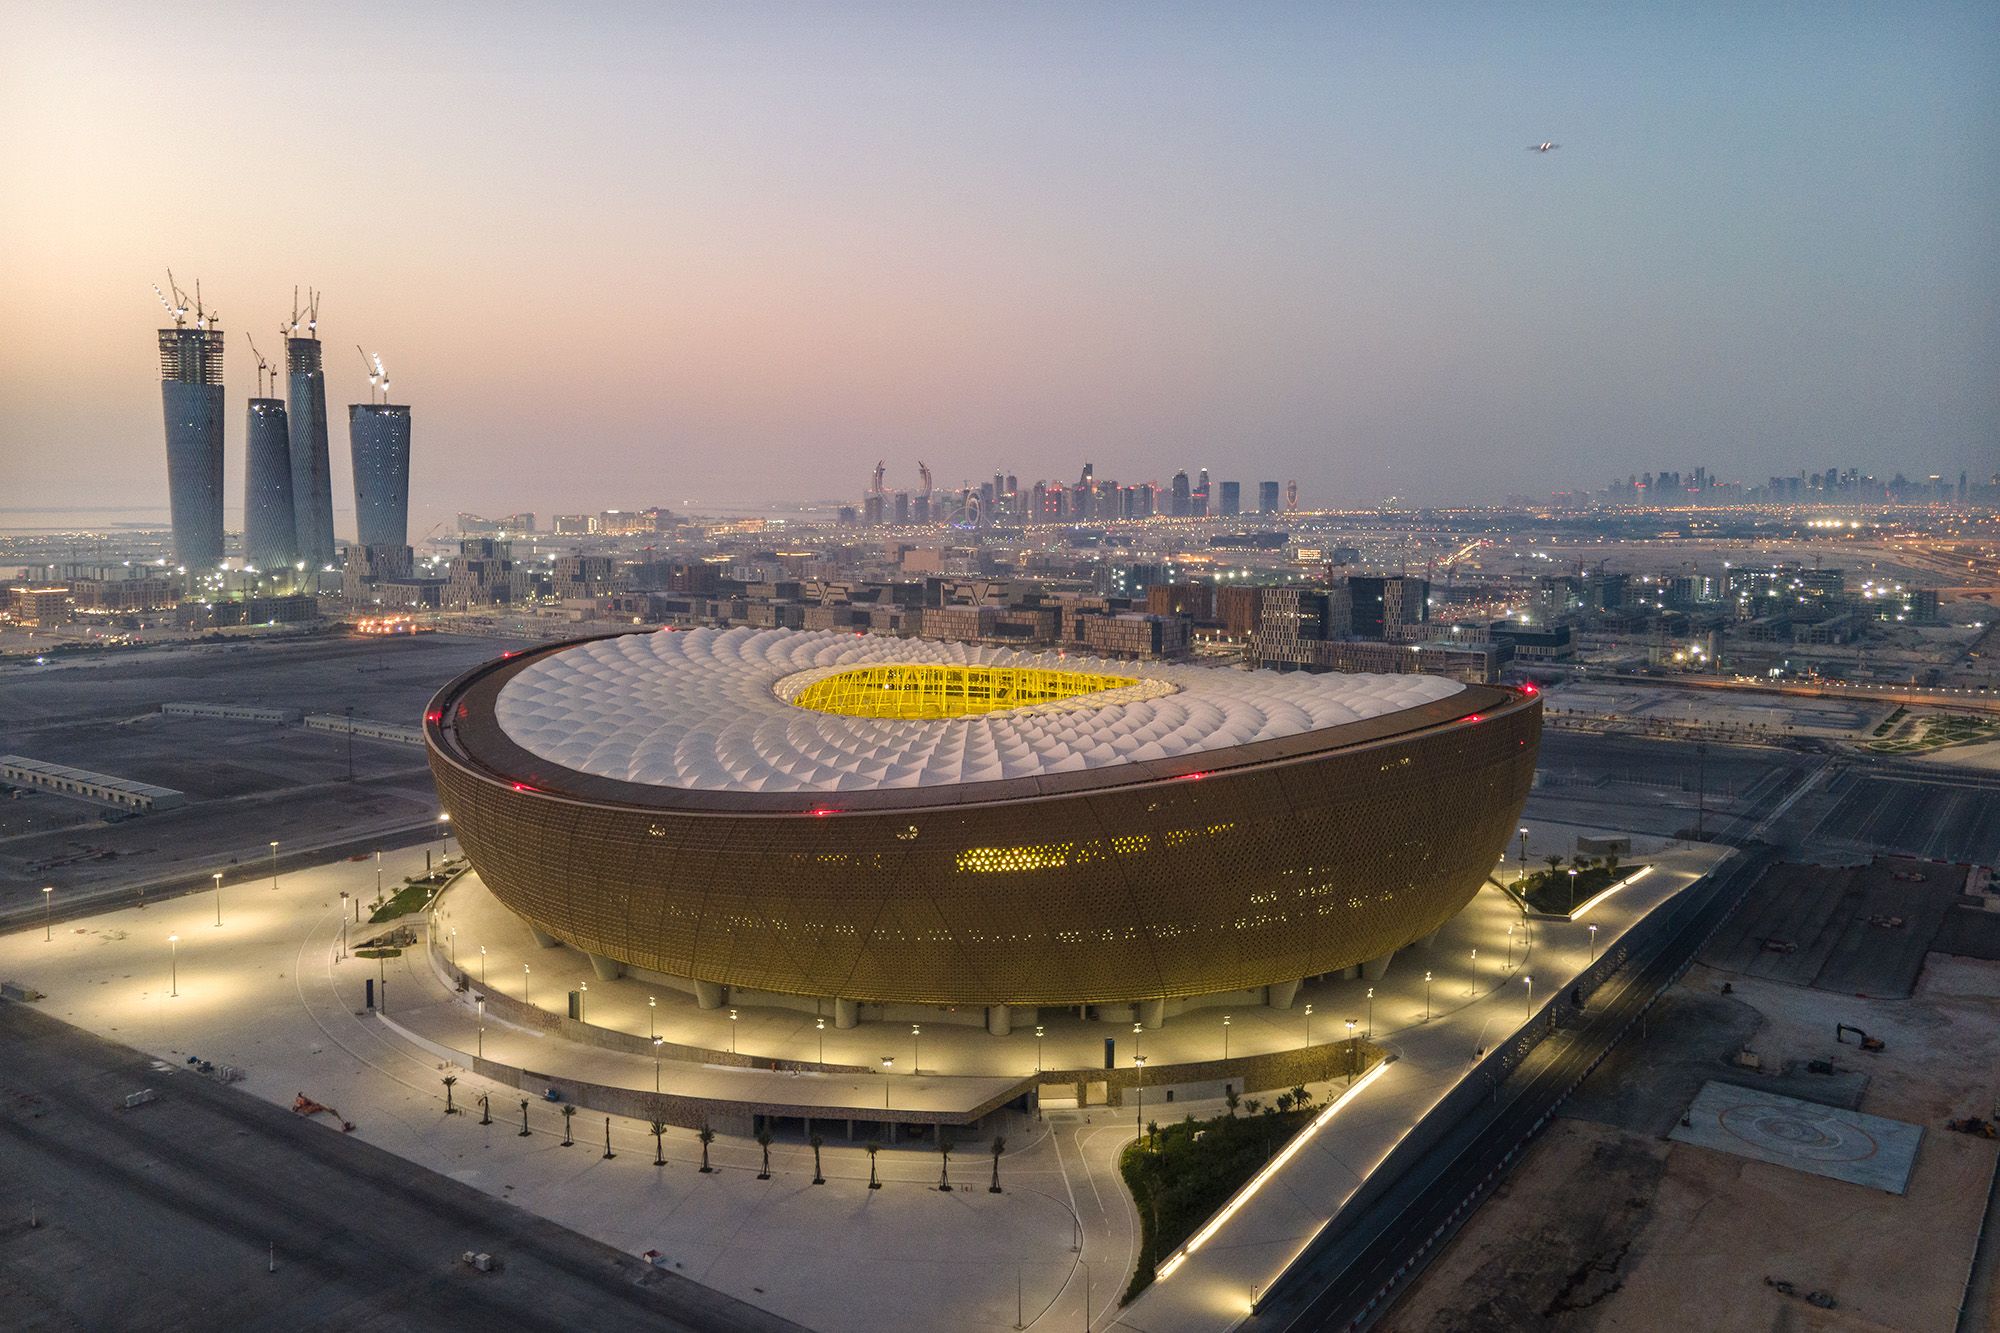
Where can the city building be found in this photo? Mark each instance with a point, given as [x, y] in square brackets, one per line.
[270, 523]
[191, 394]
[858, 819]
[484, 573]
[379, 435]
[1232, 498]
[1267, 497]
[312, 468]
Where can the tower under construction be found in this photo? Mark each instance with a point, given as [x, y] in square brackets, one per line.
[191, 393]
[379, 434]
[312, 470]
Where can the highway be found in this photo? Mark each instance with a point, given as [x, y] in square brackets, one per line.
[1351, 1275]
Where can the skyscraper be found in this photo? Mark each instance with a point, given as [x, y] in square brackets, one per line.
[1181, 493]
[312, 470]
[270, 527]
[1267, 497]
[191, 393]
[1232, 498]
[379, 435]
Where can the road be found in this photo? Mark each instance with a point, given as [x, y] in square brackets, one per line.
[1348, 1278]
[209, 1204]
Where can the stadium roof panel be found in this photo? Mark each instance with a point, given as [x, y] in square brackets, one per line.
[712, 710]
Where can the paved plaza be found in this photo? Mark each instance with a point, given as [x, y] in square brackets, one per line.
[267, 992]
[1869, 1150]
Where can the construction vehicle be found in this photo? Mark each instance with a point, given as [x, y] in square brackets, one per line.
[306, 1106]
[1974, 1124]
[1866, 1042]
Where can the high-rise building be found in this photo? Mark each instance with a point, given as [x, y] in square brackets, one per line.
[312, 470]
[191, 393]
[1267, 497]
[1181, 495]
[1232, 498]
[270, 525]
[379, 435]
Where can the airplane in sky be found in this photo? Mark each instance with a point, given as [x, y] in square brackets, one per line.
[1543, 147]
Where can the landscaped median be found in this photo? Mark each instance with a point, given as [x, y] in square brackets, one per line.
[1188, 1177]
[1564, 892]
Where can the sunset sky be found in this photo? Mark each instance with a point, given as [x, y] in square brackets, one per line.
[648, 254]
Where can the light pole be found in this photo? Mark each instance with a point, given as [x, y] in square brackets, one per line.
[1225, 1036]
[819, 1026]
[378, 877]
[1139, 1119]
[274, 863]
[482, 965]
[1510, 947]
[454, 946]
[48, 911]
[658, 1042]
[173, 965]
[217, 877]
[1371, 1013]
[1473, 990]
[480, 1005]
[1138, 1030]
[444, 836]
[1309, 1025]
[1529, 982]
[1593, 945]
[1522, 872]
[732, 1032]
[1427, 997]
[1039, 1030]
[583, 1001]
[525, 968]
[888, 1067]
[916, 1048]
[1353, 1052]
[1572, 890]
[343, 929]
[652, 1014]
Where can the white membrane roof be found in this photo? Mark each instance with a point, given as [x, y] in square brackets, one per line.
[700, 709]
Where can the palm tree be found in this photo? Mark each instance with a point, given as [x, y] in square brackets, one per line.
[1232, 1101]
[999, 1146]
[816, 1141]
[764, 1142]
[450, 1080]
[944, 1158]
[1153, 1134]
[568, 1113]
[1611, 862]
[658, 1125]
[1555, 862]
[707, 1136]
[1253, 1105]
[873, 1148]
[1284, 1103]
[1302, 1097]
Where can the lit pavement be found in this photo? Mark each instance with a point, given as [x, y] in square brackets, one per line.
[276, 1003]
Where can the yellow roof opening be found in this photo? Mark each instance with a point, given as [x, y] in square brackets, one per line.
[922, 691]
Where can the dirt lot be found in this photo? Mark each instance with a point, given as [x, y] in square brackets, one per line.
[1606, 1225]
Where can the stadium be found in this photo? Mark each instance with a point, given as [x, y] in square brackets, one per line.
[861, 819]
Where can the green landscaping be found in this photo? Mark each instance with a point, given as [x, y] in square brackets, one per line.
[414, 896]
[378, 953]
[1935, 733]
[1552, 892]
[1180, 1174]
[1891, 720]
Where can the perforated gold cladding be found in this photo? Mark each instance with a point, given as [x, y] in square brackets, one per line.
[1264, 873]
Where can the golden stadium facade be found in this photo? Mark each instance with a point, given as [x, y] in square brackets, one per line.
[885, 820]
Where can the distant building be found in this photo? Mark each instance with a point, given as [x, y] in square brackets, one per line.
[510, 525]
[1232, 498]
[379, 434]
[1385, 607]
[1193, 600]
[191, 394]
[484, 573]
[366, 571]
[1182, 500]
[270, 522]
[1267, 497]
[579, 576]
[312, 469]
[42, 607]
[576, 525]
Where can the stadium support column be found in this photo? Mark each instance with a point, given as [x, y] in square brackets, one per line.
[999, 1019]
[1151, 1012]
[1281, 994]
[543, 938]
[708, 994]
[846, 1014]
[1376, 968]
[606, 969]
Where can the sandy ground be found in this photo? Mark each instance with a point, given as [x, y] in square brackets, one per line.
[1606, 1228]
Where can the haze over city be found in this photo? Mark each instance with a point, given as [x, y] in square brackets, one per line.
[737, 254]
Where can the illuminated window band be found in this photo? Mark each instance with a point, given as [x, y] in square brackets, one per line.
[924, 691]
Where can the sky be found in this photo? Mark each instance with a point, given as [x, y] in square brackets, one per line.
[652, 254]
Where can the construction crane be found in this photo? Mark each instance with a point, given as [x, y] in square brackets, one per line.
[378, 375]
[177, 308]
[263, 367]
[923, 471]
[303, 317]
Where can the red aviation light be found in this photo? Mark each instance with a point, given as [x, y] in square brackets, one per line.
[1530, 690]
[1473, 717]
[1193, 777]
[821, 812]
[434, 716]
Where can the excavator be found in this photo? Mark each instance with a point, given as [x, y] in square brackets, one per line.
[1866, 1042]
[306, 1106]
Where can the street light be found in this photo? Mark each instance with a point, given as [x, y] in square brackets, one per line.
[888, 1066]
[482, 965]
[819, 1026]
[658, 1042]
[1353, 1052]
[1474, 989]
[274, 863]
[454, 946]
[343, 929]
[1529, 982]
[48, 911]
[444, 835]
[480, 1005]
[1309, 1025]
[916, 1048]
[1139, 1063]
[732, 1032]
[1225, 1036]
[1138, 1030]
[652, 1014]
[1427, 997]
[525, 968]
[582, 1001]
[1039, 1030]
[218, 897]
[1593, 945]
[1510, 947]
[1522, 872]
[173, 965]
[1371, 1013]
[1572, 890]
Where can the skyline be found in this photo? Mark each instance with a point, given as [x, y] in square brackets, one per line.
[1308, 246]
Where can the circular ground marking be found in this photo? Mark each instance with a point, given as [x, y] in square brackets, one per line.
[1793, 1131]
